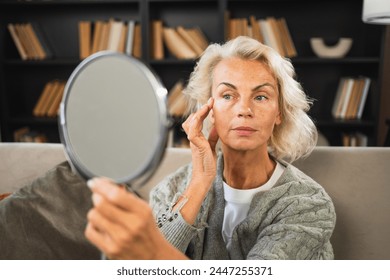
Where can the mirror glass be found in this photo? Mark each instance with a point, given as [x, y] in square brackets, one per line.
[113, 118]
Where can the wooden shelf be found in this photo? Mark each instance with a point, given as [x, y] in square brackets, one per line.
[28, 120]
[346, 60]
[66, 2]
[333, 123]
[47, 62]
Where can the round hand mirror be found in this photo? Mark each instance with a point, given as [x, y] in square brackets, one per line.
[113, 119]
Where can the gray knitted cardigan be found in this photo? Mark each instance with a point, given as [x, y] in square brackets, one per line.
[293, 220]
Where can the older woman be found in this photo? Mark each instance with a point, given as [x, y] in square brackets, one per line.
[242, 202]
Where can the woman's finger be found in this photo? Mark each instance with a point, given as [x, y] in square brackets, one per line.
[199, 116]
[213, 138]
[115, 225]
[95, 232]
[107, 209]
[194, 124]
[118, 196]
[202, 113]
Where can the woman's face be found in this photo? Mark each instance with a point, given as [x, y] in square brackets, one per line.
[246, 105]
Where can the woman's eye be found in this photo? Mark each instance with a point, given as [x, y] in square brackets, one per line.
[260, 97]
[227, 96]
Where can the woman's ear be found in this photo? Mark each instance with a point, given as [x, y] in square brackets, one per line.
[278, 119]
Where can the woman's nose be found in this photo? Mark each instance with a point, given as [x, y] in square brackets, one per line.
[245, 110]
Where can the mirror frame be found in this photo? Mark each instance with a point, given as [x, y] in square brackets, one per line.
[160, 92]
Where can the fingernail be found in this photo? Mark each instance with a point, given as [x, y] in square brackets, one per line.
[90, 183]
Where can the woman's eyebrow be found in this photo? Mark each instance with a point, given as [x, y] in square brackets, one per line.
[228, 85]
[256, 88]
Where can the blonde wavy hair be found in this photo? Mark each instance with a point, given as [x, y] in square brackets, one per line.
[297, 135]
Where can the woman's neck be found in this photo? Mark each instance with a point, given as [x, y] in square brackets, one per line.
[247, 169]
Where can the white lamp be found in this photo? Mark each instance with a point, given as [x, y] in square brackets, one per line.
[376, 11]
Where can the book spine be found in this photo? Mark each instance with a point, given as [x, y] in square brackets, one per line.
[42, 40]
[157, 40]
[130, 37]
[84, 39]
[366, 87]
[137, 42]
[22, 52]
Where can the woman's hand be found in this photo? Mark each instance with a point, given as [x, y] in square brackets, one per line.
[122, 225]
[204, 162]
[203, 150]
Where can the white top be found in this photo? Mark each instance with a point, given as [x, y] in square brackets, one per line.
[237, 203]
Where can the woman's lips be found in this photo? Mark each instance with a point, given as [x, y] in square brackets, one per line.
[244, 130]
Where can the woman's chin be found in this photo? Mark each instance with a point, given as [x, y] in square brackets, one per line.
[243, 146]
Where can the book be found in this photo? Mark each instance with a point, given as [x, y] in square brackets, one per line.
[42, 39]
[291, 50]
[354, 139]
[38, 110]
[137, 42]
[337, 99]
[238, 27]
[53, 109]
[284, 38]
[130, 37]
[361, 139]
[19, 133]
[350, 98]
[346, 94]
[270, 31]
[97, 33]
[256, 31]
[362, 101]
[176, 45]
[352, 102]
[174, 93]
[30, 41]
[84, 39]
[198, 35]
[191, 42]
[243, 26]
[267, 32]
[48, 95]
[276, 35]
[357, 98]
[157, 40]
[181, 42]
[104, 34]
[15, 37]
[231, 29]
[113, 35]
[51, 97]
[26, 42]
[115, 28]
[24, 134]
[122, 41]
[177, 102]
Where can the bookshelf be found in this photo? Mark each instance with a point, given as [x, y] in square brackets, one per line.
[22, 81]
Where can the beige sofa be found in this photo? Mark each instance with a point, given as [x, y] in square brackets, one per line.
[357, 179]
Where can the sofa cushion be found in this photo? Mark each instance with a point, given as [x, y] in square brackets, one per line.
[46, 219]
[21, 163]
